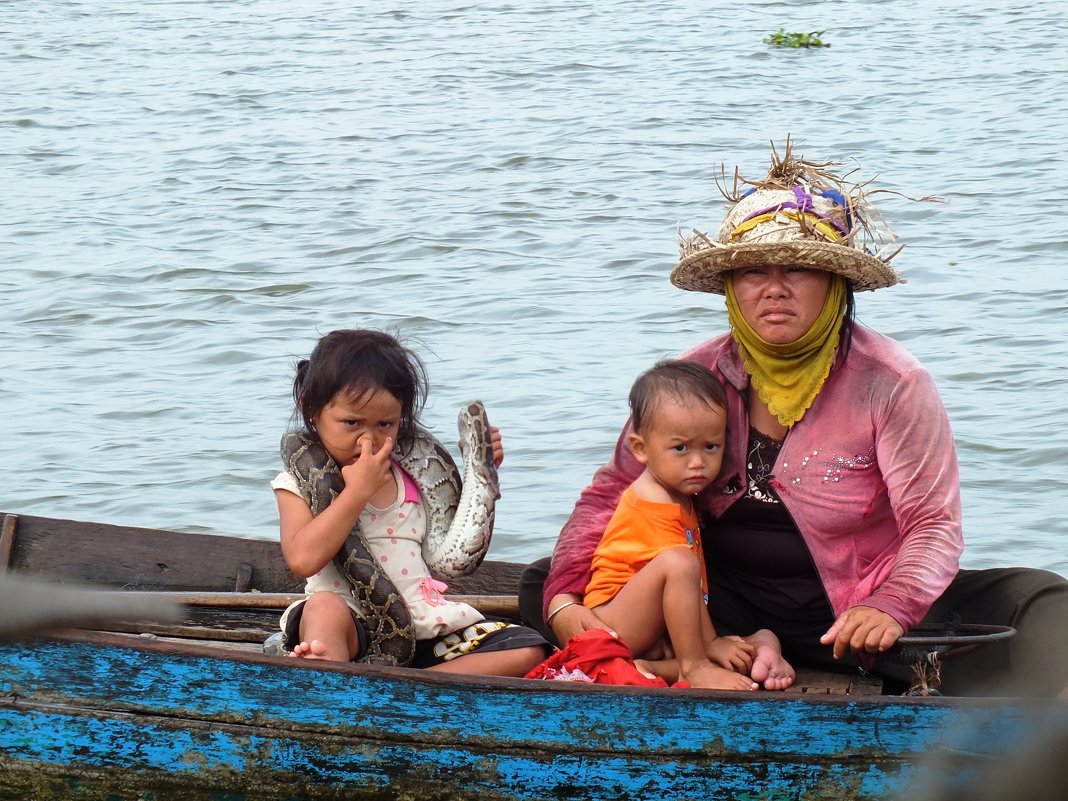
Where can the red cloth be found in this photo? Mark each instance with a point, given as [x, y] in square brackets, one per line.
[597, 657]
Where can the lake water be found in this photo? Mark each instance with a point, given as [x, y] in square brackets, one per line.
[195, 191]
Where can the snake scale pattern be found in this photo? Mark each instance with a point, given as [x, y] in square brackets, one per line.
[460, 512]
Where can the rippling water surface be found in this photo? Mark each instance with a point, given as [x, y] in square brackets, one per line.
[195, 191]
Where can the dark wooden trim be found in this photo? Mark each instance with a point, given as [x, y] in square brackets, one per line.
[252, 617]
[244, 578]
[133, 558]
[7, 541]
[487, 604]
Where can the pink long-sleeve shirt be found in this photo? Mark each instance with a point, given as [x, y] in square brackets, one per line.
[869, 476]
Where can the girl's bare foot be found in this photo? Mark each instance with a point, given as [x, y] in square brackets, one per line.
[309, 650]
[771, 670]
[707, 676]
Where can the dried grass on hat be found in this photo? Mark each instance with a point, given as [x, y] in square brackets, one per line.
[801, 214]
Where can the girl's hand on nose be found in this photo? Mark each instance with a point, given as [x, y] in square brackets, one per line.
[370, 470]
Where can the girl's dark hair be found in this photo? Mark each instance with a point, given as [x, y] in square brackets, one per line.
[359, 361]
[678, 378]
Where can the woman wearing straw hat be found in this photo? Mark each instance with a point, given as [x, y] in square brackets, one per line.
[836, 518]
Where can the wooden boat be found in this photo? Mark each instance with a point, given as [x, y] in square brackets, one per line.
[194, 709]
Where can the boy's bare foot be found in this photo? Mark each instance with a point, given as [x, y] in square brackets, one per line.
[771, 670]
[309, 650]
[707, 676]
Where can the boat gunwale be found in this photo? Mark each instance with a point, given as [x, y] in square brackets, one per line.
[407, 675]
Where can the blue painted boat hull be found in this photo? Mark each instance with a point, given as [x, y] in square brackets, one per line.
[107, 716]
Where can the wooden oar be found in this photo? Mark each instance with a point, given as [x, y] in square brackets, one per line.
[33, 607]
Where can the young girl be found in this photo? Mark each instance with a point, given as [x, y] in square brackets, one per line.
[359, 394]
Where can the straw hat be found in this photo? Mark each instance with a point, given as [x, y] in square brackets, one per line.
[799, 215]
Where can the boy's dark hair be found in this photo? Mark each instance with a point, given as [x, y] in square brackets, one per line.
[359, 361]
[678, 378]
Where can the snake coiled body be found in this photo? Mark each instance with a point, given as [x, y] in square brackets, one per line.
[460, 513]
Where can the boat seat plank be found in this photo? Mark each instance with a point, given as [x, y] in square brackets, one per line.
[254, 616]
[811, 681]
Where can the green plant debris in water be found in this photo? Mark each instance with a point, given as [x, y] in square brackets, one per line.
[783, 39]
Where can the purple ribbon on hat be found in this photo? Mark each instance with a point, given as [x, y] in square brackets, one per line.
[804, 205]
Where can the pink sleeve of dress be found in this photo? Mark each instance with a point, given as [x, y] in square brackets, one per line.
[919, 463]
[573, 554]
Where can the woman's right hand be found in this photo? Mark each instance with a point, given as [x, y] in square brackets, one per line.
[862, 628]
[574, 619]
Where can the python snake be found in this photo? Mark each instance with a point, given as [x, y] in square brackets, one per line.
[460, 512]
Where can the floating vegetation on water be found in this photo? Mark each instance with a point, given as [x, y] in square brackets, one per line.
[783, 39]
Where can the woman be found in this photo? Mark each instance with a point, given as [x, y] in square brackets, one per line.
[836, 520]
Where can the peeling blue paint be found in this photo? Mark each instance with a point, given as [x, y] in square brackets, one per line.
[230, 722]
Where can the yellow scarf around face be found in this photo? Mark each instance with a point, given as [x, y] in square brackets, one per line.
[788, 377]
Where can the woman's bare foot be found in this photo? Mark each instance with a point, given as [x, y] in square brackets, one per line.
[707, 676]
[310, 650]
[770, 669]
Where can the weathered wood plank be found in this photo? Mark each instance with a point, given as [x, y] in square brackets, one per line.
[185, 640]
[141, 558]
[820, 682]
[825, 682]
[7, 540]
[863, 684]
[252, 617]
[505, 605]
[149, 559]
[142, 756]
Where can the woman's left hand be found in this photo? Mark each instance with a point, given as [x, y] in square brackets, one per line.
[862, 628]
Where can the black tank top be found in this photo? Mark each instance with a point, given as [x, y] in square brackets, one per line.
[756, 547]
